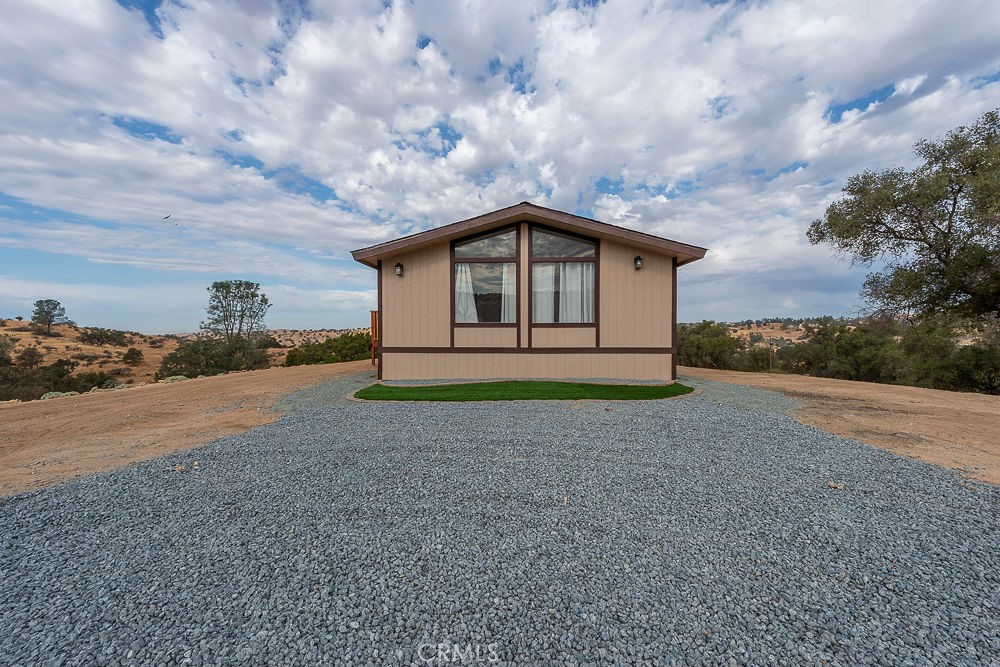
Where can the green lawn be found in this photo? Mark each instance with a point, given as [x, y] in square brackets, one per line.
[521, 390]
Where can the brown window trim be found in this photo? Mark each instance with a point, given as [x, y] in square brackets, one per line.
[480, 325]
[596, 259]
[516, 259]
[564, 325]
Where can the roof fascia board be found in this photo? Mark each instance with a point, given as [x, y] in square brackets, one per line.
[526, 211]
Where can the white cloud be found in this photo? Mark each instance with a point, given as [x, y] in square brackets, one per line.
[713, 120]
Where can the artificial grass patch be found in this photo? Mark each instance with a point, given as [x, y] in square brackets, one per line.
[521, 390]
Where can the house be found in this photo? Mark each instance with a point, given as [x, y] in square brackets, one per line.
[527, 292]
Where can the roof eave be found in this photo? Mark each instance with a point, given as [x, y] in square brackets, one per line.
[369, 256]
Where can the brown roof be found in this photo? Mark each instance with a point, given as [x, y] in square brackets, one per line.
[526, 211]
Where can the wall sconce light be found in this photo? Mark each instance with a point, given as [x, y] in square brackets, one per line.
[638, 262]
[399, 269]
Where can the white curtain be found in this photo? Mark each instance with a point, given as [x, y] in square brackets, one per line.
[576, 292]
[543, 290]
[508, 299]
[465, 298]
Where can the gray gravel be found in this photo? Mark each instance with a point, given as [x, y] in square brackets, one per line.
[699, 530]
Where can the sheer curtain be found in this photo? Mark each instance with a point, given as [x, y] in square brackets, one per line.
[576, 292]
[508, 298]
[465, 298]
[543, 290]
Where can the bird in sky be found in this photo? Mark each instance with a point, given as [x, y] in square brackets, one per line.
[167, 216]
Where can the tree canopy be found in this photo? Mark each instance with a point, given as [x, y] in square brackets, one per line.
[48, 312]
[936, 227]
[236, 309]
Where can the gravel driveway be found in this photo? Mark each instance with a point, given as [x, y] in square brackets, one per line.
[668, 532]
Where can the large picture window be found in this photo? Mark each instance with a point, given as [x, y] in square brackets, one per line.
[563, 269]
[486, 279]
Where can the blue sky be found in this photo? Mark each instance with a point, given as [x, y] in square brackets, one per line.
[278, 136]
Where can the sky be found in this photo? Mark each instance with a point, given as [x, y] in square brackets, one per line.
[280, 135]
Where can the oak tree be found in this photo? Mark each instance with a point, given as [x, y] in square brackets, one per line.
[936, 227]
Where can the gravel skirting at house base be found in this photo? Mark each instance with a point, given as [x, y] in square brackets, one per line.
[713, 529]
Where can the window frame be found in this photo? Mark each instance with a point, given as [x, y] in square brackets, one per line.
[516, 260]
[532, 260]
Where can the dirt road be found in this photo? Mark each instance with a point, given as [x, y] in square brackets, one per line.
[48, 442]
[950, 429]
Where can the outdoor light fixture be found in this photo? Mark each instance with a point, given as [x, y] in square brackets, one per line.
[638, 262]
[399, 269]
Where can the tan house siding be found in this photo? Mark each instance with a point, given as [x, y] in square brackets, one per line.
[485, 336]
[635, 305]
[488, 365]
[563, 337]
[632, 337]
[416, 307]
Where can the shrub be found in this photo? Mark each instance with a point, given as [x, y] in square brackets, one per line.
[706, 345]
[99, 336]
[212, 356]
[133, 357]
[346, 347]
[30, 358]
[7, 344]
[268, 342]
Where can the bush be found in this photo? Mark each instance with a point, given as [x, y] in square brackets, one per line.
[267, 342]
[30, 384]
[7, 344]
[977, 368]
[706, 345]
[212, 356]
[346, 347]
[30, 358]
[105, 337]
[133, 357]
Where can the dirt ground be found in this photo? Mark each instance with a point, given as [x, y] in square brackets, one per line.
[48, 442]
[950, 429]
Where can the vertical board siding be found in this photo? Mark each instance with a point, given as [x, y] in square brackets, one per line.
[481, 365]
[563, 337]
[635, 305]
[485, 337]
[417, 305]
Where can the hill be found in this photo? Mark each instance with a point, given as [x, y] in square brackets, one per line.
[97, 349]
[65, 343]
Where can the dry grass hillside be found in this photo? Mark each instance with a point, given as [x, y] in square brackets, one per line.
[65, 343]
[769, 330]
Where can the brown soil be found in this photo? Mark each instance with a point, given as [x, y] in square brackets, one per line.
[950, 429]
[48, 442]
